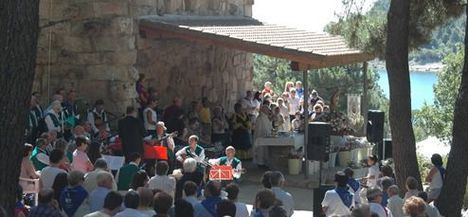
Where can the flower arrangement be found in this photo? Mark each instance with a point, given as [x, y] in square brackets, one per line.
[339, 123]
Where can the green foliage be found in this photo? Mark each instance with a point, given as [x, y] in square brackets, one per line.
[368, 31]
[437, 119]
[346, 79]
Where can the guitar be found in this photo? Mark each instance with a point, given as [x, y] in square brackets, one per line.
[159, 141]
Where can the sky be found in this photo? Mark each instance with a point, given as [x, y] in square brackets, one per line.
[310, 15]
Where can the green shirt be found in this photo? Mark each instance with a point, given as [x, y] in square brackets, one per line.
[38, 165]
[125, 176]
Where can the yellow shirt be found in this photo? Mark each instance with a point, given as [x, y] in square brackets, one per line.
[205, 115]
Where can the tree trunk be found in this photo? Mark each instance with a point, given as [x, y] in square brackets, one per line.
[18, 43]
[396, 56]
[450, 201]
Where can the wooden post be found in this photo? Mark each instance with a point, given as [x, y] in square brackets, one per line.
[364, 99]
[306, 119]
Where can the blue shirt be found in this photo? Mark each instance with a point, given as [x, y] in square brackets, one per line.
[96, 198]
[44, 210]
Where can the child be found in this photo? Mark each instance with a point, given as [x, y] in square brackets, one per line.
[435, 177]
[230, 159]
[374, 171]
[81, 161]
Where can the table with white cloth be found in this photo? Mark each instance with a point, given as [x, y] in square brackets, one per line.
[279, 148]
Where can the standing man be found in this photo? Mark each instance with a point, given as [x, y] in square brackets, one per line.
[174, 116]
[131, 132]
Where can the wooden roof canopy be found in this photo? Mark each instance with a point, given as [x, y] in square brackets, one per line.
[308, 49]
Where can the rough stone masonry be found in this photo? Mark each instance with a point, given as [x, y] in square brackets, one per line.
[94, 46]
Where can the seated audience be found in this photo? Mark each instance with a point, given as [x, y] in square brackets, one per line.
[81, 161]
[277, 182]
[161, 180]
[277, 211]
[112, 205]
[49, 173]
[20, 209]
[39, 156]
[140, 179]
[60, 183]
[353, 186]
[387, 172]
[212, 194]
[226, 208]
[190, 173]
[414, 207]
[74, 198]
[386, 183]
[27, 169]
[395, 203]
[435, 177]
[131, 202]
[431, 210]
[62, 144]
[47, 206]
[90, 182]
[264, 201]
[411, 187]
[146, 202]
[298, 122]
[182, 208]
[162, 203]
[190, 191]
[233, 190]
[104, 182]
[362, 211]
[126, 172]
[266, 179]
[374, 196]
[339, 201]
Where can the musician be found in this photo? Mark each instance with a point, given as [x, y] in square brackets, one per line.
[231, 160]
[193, 150]
[166, 140]
[98, 113]
[53, 118]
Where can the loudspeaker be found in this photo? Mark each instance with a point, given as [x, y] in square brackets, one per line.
[318, 141]
[387, 146]
[319, 194]
[375, 126]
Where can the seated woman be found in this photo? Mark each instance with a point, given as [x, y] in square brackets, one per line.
[27, 169]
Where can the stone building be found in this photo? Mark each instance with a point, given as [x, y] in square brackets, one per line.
[94, 46]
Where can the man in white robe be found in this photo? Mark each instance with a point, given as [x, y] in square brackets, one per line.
[263, 128]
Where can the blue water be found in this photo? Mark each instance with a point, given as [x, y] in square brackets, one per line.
[421, 87]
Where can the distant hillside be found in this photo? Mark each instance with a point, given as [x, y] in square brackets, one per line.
[445, 39]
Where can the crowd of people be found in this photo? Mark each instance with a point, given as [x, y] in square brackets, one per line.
[377, 194]
[66, 145]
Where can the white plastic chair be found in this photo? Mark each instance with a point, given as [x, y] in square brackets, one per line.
[35, 189]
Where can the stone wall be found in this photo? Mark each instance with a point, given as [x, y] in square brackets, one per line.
[94, 47]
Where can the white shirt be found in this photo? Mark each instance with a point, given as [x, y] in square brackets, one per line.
[43, 158]
[91, 120]
[286, 198]
[164, 183]
[334, 205]
[154, 118]
[249, 105]
[237, 171]
[148, 212]
[198, 158]
[373, 171]
[432, 211]
[128, 212]
[379, 210]
[48, 175]
[241, 210]
[437, 181]
[90, 182]
[395, 205]
[293, 105]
